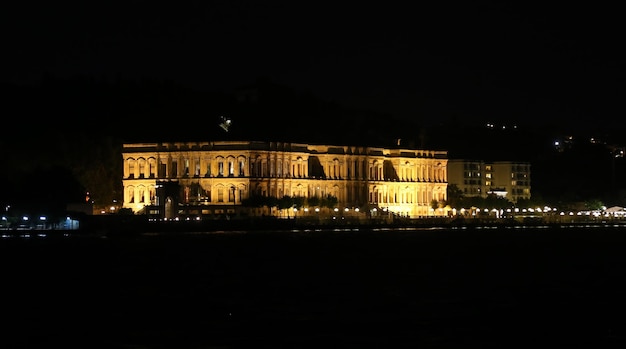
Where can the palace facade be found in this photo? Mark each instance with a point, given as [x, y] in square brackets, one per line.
[210, 178]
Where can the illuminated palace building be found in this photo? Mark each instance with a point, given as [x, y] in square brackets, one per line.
[214, 178]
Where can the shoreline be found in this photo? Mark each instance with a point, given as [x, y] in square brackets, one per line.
[105, 226]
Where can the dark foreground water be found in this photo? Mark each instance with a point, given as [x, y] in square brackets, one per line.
[472, 288]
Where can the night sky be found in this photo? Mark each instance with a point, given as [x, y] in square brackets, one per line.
[498, 63]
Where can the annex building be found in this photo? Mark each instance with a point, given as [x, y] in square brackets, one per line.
[507, 179]
[214, 178]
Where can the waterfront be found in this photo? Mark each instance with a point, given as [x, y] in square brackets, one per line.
[415, 287]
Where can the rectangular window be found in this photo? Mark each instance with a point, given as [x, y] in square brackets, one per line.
[220, 195]
[220, 169]
[174, 169]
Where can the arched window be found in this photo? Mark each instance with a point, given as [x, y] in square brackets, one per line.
[130, 192]
[131, 168]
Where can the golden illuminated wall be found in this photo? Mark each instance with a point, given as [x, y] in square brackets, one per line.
[514, 177]
[404, 181]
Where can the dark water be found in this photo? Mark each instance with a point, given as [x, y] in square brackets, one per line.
[473, 288]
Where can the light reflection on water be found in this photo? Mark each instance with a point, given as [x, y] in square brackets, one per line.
[320, 230]
[34, 234]
[356, 230]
